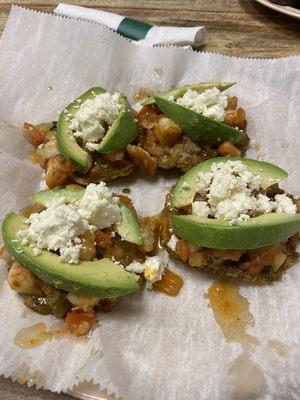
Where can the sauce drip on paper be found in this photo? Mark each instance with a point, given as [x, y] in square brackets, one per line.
[142, 94]
[231, 311]
[33, 336]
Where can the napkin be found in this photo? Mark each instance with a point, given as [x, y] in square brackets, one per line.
[145, 34]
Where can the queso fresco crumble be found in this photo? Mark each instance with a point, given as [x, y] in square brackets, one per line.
[93, 116]
[152, 269]
[232, 193]
[211, 103]
[58, 227]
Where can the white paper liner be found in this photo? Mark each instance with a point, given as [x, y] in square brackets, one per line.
[150, 346]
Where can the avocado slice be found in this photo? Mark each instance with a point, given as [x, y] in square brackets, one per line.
[66, 141]
[129, 228]
[186, 186]
[197, 126]
[122, 132]
[101, 278]
[257, 232]
[199, 87]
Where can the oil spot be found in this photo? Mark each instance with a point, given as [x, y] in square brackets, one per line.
[247, 379]
[280, 348]
[32, 336]
[158, 72]
[231, 311]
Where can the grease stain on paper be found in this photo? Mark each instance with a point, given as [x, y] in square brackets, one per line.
[231, 311]
[280, 348]
[33, 336]
[247, 379]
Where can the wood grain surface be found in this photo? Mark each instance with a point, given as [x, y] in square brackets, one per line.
[234, 27]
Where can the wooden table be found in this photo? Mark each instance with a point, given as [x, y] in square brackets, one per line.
[234, 27]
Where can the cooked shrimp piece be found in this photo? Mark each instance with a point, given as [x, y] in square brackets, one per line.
[58, 170]
[22, 280]
[142, 158]
[229, 149]
[150, 227]
[167, 131]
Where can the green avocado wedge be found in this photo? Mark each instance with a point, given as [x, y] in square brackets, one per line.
[66, 141]
[198, 87]
[197, 126]
[122, 132]
[186, 186]
[257, 232]
[129, 228]
[101, 278]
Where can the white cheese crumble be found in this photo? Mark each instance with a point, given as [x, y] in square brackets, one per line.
[152, 269]
[93, 116]
[54, 229]
[263, 204]
[59, 226]
[283, 204]
[99, 206]
[172, 243]
[201, 209]
[211, 103]
[229, 192]
[185, 186]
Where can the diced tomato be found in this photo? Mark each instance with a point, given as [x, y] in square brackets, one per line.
[263, 257]
[79, 323]
[27, 125]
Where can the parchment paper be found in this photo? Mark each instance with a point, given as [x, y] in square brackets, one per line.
[150, 346]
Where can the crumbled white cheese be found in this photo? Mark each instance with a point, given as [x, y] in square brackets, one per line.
[57, 228]
[185, 186]
[283, 204]
[172, 243]
[211, 103]
[203, 182]
[152, 269]
[201, 209]
[263, 204]
[235, 208]
[36, 251]
[229, 192]
[93, 116]
[135, 267]
[54, 229]
[99, 206]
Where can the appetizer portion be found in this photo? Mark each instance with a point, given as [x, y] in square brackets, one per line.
[229, 216]
[188, 125]
[88, 144]
[74, 251]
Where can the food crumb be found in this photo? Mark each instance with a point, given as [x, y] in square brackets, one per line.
[50, 88]
[21, 380]
[142, 94]
[158, 72]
